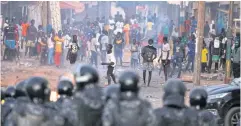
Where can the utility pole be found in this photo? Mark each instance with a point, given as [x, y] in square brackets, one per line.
[44, 14]
[229, 41]
[199, 42]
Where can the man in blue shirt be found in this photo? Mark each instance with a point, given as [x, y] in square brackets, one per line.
[191, 53]
[178, 58]
[193, 25]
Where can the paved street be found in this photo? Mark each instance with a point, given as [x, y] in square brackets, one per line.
[12, 73]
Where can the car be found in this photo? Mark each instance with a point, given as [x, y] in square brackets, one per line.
[224, 102]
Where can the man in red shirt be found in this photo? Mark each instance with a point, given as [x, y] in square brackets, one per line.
[187, 25]
[160, 38]
[25, 26]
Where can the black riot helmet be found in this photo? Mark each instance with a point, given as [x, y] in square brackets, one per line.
[37, 89]
[65, 87]
[129, 81]
[2, 94]
[10, 92]
[21, 89]
[112, 91]
[198, 98]
[84, 75]
[174, 91]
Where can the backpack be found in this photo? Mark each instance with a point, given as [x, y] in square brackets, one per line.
[216, 43]
[149, 54]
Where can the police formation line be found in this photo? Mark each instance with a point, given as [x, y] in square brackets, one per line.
[87, 104]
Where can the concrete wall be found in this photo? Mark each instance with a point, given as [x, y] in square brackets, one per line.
[55, 17]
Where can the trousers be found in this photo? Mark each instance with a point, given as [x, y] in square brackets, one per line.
[50, 56]
[57, 58]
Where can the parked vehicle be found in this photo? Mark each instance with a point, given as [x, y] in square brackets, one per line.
[224, 102]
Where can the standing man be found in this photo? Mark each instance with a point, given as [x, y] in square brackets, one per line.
[193, 25]
[178, 57]
[206, 33]
[50, 44]
[171, 25]
[119, 26]
[19, 26]
[111, 28]
[25, 26]
[118, 47]
[191, 52]
[103, 44]
[58, 48]
[9, 41]
[73, 49]
[93, 50]
[39, 37]
[111, 62]
[31, 38]
[166, 30]
[206, 30]
[134, 54]
[148, 53]
[174, 39]
[165, 57]
[236, 57]
[66, 43]
[216, 52]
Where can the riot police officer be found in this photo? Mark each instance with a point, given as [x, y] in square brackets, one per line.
[16, 97]
[174, 112]
[112, 92]
[129, 109]
[87, 100]
[34, 113]
[21, 94]
[65, 91]
[2, 95]
[198, 101]
[9, 103]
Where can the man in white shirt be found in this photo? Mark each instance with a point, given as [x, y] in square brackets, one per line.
[165, 57]
[50, 44]
[67, 39]
[119, 27]
[103, 44]
[111, 28]
[111, 62]
[92, 46]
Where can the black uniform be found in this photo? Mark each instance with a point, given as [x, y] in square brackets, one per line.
[88, 101]
[112, 92]
[34, 113]
[2, 94]
[198, 101]
[129, 109]
[7, 107]
[174, 112]
[65, 91]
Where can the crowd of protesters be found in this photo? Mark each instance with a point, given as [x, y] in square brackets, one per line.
[87, 40]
